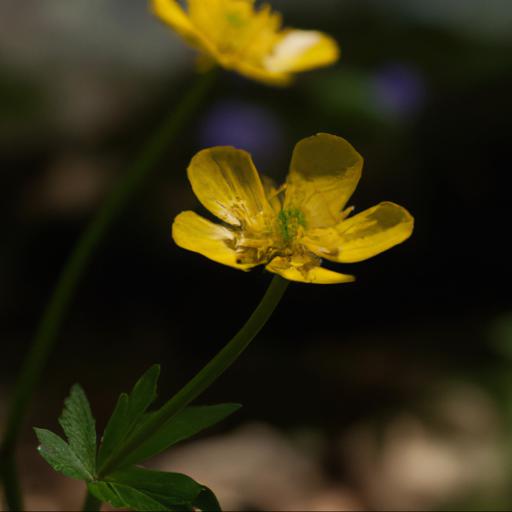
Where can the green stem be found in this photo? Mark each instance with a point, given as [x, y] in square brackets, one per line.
[211, 372]
[11, 485]
[51, 321]
[91, 503]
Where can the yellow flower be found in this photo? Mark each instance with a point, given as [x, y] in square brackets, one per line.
[290, 229]
[240, 37]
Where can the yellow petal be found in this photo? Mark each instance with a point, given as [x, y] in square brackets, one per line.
[170, 12]
[292, 51]
[235, 31]
[362, 236]
[226, 182]
[219, 19]
[194, 233]
[295, 270]
[324, 172]
[301, 50]
[259, 73]
[206, 16]
[272, 193]
[239, 36]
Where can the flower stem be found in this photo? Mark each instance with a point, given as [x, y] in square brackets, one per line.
[51, 321]
[202, 380]
[8, 474]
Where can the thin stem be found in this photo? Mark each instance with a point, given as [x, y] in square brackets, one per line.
[51, 321]
[8, 474]
[91, 503]
[211, 372]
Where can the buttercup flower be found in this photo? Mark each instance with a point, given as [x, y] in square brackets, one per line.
[237, 36]
[290, 229]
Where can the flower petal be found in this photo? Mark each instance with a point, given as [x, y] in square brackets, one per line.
[226, 182]
[324, 172]
[362, 236]
[294, 269]
[273, 193]
[239, 36]
[170, 12]
[301, 50]
[259, 73]
[194, 233]
[220, 19]
[295, 51]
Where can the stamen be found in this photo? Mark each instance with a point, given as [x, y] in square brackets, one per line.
[289, 223]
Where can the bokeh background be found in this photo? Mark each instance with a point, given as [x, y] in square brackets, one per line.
[391, 393]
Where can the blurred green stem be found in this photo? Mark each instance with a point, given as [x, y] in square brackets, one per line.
[8, 473]
[51, 321]
[209, 374]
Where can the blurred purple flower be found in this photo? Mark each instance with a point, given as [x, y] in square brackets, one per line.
[400, 91]
[244, 126]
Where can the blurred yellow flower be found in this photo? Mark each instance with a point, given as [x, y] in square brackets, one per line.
[240, 37]
[290, 229]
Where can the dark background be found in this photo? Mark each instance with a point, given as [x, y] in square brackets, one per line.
[422, 339]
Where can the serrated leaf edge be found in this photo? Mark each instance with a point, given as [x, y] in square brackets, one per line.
[80, 468]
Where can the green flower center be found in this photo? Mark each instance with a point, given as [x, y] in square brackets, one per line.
[289, 222]
[235, 19]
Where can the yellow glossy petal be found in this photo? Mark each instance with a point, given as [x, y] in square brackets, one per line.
[226, 182]
[171, 13]
[292, 51]
[259, 73]
[235, 30]
[218, 19]
[272, 192]
[362, 236]
[301, 50]
[294, 269]
[195, 233]
[324, 172]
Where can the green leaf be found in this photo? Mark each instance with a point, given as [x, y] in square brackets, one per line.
[106, 494]
[207, 501]
[189, 422]
[128, 412]
[175, 486]
[78, 424]
[60, 456]
[146, 490]
[138, 500]
[121, 496]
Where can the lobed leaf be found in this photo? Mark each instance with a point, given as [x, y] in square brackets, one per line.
[207, 501]
[128, 412]
[121, 496]
[79, 426]
[106, 494]
[180, 488]
[189, 422]
[146, 490]
[60, 455]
